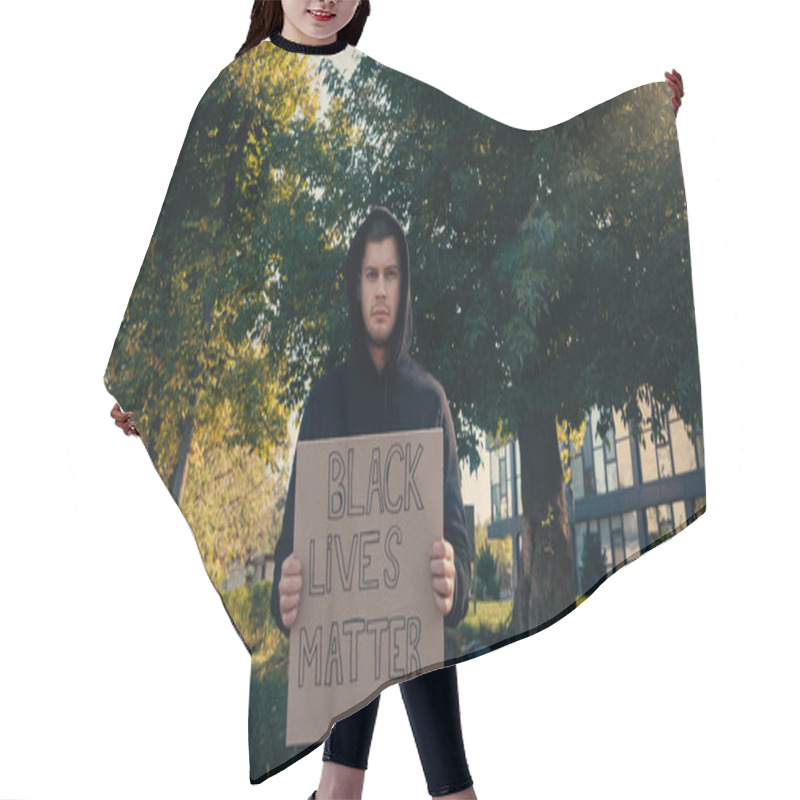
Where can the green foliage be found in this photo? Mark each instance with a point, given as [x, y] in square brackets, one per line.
[196, 333]
[234, 505]
[550, 268]
[483, 626]
[489, 614]
[248, 607]
[550, 272]
[487, 580]
[267, 710]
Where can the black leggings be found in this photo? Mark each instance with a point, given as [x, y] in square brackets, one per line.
[433, 711]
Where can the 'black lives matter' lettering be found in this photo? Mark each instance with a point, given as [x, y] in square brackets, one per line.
[382, 482]
[394, 652]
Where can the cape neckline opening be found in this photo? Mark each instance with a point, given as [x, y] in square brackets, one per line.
[316, 49]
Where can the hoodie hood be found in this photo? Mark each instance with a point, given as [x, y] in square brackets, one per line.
[399, 345]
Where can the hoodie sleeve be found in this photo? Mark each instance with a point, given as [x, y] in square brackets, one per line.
[455, 524]
[285, 545]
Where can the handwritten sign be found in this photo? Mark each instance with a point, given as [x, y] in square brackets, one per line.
[367, 510]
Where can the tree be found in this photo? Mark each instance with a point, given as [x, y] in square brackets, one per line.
[232, 501]
[192, 342]
[487, 580]
[551, 273]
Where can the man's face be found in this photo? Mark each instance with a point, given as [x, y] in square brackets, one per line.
[379, 290]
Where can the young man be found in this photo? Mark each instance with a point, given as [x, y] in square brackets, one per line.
[381, 389]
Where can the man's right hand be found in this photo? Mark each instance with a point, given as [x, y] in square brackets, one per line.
[124, 420]
[289, 587]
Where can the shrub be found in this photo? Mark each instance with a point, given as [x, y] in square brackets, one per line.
[487, 579]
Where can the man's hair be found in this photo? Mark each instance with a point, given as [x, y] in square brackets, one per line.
[377, 229]
[379, 225]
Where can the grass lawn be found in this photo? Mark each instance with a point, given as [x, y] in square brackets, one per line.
[489, 613]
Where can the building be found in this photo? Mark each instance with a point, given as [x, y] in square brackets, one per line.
[260, 567]
[626, 490]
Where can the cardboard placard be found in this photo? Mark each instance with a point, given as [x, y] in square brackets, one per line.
[367, 510]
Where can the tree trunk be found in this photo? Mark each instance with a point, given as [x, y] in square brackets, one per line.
[545, 585]
[178, 478]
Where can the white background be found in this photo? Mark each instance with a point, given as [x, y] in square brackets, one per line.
[121, 673]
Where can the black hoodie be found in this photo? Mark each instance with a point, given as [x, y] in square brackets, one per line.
[354, 398]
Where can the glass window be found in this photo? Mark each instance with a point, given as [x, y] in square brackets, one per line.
[605, 540]
[647, 455]
[580, 537]
[630, 526]
[610, 445]
[679, 513]
[495, 502]
[611, 450]
[645, 411]
[624, 464]
[663, 435]
[600, 471]
[701, 458]
[618, 542]
[577, 477]
[698, 503]
[588, 480]
[622, 449]
[588, 457]
[665, 523]
[612, 484]
[652, 522]
[503, 485]
[620, 426]
[664, 461]
[682, 447]
[595, 418]
[510, 468]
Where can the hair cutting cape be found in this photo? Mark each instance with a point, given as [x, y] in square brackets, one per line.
[553, 369]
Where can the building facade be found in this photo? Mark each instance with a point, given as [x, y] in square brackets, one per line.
[623, 492]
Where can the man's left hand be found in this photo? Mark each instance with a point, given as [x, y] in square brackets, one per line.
[675, 82]
[443, 570]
